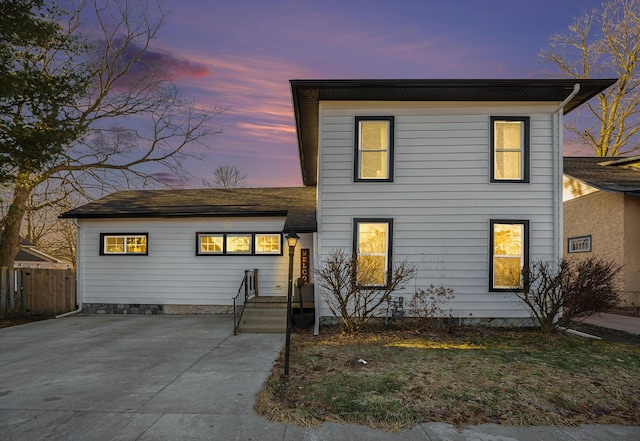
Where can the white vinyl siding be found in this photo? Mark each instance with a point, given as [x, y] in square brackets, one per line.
[172, 272]
[441, 200]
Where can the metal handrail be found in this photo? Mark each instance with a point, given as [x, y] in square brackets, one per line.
[248, 287]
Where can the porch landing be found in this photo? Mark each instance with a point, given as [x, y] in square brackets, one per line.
[267, 315]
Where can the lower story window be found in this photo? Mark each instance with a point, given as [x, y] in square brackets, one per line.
[123, 243]
[210, 243]
[238, 244]
[509, 253]
[372, 244]
[268, 243]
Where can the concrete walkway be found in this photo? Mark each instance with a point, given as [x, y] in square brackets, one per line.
[617, 322]
[176, 378]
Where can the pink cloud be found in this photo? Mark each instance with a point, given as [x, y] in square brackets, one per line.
[162, 64]
[577, 149]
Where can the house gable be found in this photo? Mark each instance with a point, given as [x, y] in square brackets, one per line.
[307, 95]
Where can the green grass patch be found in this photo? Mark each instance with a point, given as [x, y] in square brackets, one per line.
[514, 377]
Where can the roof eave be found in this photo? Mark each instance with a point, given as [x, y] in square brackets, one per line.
[72, 215]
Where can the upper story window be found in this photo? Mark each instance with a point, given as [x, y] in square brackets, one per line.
[509, 149]
[374, 148]
[123, 243]
[509, 253]
[372, 244]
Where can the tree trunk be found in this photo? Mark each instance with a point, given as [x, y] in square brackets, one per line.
[10, 239]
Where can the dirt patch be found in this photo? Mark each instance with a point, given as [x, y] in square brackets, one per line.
[631, 311]
[15, 321]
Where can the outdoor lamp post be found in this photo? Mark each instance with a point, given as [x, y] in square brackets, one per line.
[292, 241]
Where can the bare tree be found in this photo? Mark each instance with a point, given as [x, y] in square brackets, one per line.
[128, 115]
[226, 176]
[604, 42]
[571, 290]
[350, 286]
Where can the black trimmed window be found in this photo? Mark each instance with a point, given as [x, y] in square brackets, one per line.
[509, 254]
[580, 244]
[124, 244]
[268, 243]
[210, 243]
[372, 240]
[374, 143]
[510, 140]
[238, 244]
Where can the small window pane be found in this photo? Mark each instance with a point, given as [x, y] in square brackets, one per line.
[239, 244]
[137, 244]
[508, 239]
[507, 272]
[211, 243]
[508, 165]
[114, 245]
[268, 243]
[374, 165]
[509, 134]
[372, 238]
[372, 270]
[374, 135]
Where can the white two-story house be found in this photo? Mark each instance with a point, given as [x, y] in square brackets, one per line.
[461, 178]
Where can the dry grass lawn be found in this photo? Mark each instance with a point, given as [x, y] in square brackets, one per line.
[511, 377]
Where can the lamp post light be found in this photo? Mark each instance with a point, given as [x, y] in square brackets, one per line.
[292, 241]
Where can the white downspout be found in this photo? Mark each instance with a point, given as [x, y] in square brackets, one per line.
[557, 148]
[78, 272]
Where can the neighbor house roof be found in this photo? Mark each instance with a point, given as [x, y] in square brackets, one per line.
[607, 174]
[29, 253]
[307, 94]
[298, 204]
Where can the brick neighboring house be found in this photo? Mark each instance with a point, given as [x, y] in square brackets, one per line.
[601, 199]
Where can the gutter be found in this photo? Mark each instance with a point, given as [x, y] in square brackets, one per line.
[557, 152]
[78, 284]
[557, 148]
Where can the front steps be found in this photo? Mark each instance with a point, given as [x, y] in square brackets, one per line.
[264, 315]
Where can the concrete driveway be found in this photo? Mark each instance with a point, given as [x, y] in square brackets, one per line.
[133, 377]
[178, 378]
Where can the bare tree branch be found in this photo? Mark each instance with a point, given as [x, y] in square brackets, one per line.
[605, 42]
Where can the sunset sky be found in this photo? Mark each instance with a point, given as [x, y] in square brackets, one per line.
[240, 55]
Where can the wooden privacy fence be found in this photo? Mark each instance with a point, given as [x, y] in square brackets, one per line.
[45, 292]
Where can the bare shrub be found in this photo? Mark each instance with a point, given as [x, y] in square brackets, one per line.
[557, 294]
[345, 283]
[428, 304]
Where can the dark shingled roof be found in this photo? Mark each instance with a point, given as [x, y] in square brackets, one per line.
[607, 174]
[298, 204]
[24, 256]
[307, 94]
